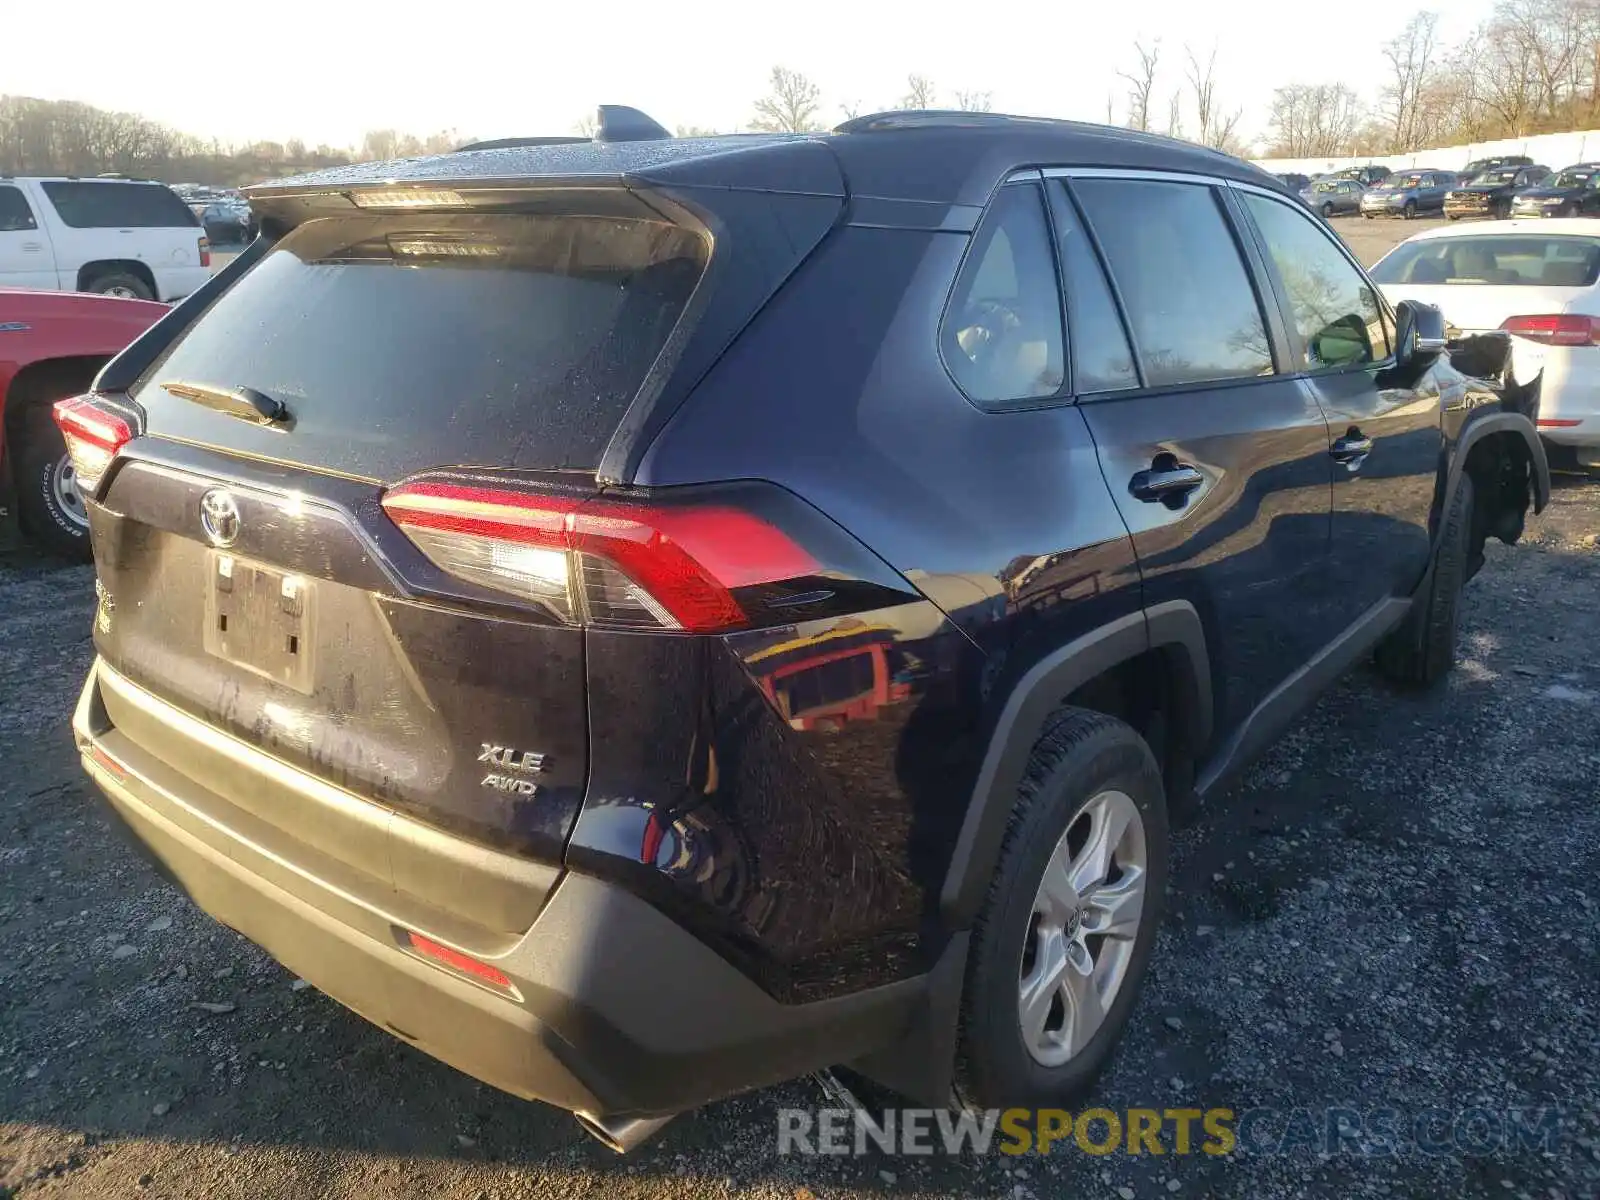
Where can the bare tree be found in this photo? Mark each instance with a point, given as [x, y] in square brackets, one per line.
[1175, 114]
[587, 125]
[1216, 127]
[790, 106]
[694, 131]
[1141, 84]
[1411, 60]
[973, 101]
[1313, 120]
[920, 93]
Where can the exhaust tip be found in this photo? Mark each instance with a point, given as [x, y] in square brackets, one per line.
[621, 1134]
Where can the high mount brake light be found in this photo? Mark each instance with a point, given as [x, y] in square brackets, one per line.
[94, 434]
[1555, 329]
[598, 561]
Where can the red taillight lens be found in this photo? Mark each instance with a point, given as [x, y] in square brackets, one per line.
[93, 435]
[1555, 329]
[205, 252]
[606, 562]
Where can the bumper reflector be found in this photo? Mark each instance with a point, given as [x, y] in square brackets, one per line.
[457, 961]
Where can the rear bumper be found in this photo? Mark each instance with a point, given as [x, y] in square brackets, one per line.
[612, 1009]
[1569, 395]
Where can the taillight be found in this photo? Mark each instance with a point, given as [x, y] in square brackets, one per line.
[1556, 329]
[94, 434]
[205, 251]
[618, 563]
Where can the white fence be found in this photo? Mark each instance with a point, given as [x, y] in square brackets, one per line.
[1553, 150]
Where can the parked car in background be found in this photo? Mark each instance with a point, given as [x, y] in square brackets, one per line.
[1540, 282]
[1294, 182]
[1491, 192]
[1479, 165]
[1367, 176]
[741, 779]
[51, 346]
[118, 237]
[1571, 192]
[1333, 197]
[228, 221]
[1408, 194]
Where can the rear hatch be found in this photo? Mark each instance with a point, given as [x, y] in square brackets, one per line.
[252, 579]
[257, 584]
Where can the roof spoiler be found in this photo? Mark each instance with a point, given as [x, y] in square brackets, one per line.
[613, 123]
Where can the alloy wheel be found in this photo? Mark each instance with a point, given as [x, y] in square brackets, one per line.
[1081, 935]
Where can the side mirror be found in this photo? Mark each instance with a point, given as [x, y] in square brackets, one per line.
[1419, 333]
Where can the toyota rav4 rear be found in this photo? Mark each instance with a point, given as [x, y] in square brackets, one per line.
[373, 620]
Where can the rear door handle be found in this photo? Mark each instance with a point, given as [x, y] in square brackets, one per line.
[1351, 447]
[1169, 483]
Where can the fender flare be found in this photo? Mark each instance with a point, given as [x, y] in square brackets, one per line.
[1174, 626]
[1493, 423]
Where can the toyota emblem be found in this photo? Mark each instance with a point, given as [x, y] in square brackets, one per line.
[219, 517]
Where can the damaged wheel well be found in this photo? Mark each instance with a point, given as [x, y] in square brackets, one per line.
[1502, 472]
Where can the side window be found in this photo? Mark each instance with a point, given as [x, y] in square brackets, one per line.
[1194, 313]
[15, 215]
[1002, 337]
[1102, 360]
[1335, 309]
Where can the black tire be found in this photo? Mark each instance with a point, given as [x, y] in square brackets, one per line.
[1327, 210]
[1423, 649]
[121, 283]
[1080, 755]
[52, 521]
[1409, 212]
[1368, 215]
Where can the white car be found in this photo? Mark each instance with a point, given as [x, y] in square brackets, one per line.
[119, 237]
[1537, 279]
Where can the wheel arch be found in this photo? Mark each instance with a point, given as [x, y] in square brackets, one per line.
[1170, 634]
[90, 271]
[43, 381]
[1498, 438]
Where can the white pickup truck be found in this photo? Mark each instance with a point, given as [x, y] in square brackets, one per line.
[119, 237]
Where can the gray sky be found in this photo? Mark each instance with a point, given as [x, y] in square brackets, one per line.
[326, 71]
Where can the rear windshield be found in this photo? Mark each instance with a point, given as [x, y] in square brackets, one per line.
[100, 204]
[400, 343]
[1527, 261]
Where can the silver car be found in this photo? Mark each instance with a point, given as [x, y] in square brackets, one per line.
[1332, 197]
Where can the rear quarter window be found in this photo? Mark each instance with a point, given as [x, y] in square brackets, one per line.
[101, 204]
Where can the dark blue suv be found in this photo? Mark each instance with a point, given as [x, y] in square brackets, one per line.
[649, 618]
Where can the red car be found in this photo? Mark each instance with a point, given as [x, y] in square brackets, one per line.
[52, 344]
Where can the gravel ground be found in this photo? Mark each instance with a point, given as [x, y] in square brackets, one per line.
[1396, 908]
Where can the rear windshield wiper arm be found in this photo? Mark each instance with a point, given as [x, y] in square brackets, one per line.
[243, 402]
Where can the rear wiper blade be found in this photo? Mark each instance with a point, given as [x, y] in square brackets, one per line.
[243, 402]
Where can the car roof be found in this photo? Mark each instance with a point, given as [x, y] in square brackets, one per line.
[953, 158]
[80, 179]
[1571, 226]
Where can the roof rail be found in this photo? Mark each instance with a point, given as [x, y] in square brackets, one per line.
[933, 118]
[613, 123]
[511, 143]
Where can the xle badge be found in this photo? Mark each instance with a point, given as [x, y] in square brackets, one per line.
[507, 765]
